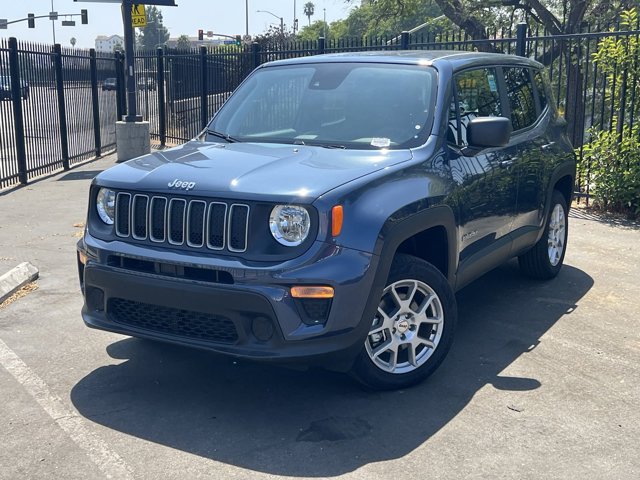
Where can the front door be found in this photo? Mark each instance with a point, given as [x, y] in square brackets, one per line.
[486, 188]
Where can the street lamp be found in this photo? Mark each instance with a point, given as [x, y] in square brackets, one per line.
[274, 15]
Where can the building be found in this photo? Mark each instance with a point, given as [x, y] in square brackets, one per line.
[107, 43]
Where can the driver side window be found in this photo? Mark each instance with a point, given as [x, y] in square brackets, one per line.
[477, 96]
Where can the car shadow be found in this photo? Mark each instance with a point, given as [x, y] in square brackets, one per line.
[317, 423]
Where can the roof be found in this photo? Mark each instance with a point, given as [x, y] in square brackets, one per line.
[458, 59]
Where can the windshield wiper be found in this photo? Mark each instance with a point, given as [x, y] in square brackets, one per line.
[224, 136]
[342, 147]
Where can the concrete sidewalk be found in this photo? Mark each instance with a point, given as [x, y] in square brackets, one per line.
[542, 380]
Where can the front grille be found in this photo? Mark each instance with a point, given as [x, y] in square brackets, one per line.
[182, 222]
[172, 321]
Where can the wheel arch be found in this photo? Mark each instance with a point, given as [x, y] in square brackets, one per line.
[429, 235]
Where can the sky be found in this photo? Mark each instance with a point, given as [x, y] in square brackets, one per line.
[220, 16]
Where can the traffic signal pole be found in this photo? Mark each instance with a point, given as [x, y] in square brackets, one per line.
[130, 73]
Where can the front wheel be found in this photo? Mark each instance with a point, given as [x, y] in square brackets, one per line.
[412, 330]
[545, 259]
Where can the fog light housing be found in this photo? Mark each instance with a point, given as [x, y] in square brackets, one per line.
[262, 328]
[95, 299]
[314, 311]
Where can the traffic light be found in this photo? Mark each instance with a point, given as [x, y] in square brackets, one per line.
[200, 34]
[31, 20]
[238, 40]
[85, 16]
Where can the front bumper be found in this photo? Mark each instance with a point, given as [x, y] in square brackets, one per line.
[252, 315]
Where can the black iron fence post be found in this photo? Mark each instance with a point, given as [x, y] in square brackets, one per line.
[321, 45]
[62, 111]
[521, 39]
[93, 64]
[120, 103]
[255, 54]
[204, 98]
[162, 120]
[404, 41]
[18, 118]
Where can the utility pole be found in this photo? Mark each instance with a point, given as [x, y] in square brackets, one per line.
[130, 75]
[53, 23]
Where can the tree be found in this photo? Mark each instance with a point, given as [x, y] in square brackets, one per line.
[314, 31]
[380, 18]
[309, 10]
[72, 41]
[273, 38]
[155, 33]
[183, 42]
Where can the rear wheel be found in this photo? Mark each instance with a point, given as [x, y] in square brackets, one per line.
[545, 259]
[412, 330]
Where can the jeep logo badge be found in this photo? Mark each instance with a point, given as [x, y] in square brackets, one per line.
[181, 184]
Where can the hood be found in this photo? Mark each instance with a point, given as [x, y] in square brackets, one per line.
[248, 170]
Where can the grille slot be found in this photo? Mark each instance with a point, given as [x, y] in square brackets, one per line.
[177, 208]
[238, 227]
[123, 202]
[140, 212]
[183, 222]
[172, 321]
[195, 223]
[157, 219]
[216, 225]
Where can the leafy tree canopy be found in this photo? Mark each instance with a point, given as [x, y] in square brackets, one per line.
[155, 33]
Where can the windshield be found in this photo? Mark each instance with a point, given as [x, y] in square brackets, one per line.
[349, 105]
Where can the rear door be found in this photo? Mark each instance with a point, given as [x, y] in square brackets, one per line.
[531, 149]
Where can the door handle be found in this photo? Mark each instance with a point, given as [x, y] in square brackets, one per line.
[547, 146]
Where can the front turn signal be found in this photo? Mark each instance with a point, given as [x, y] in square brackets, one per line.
[337, 217]
[312, 292]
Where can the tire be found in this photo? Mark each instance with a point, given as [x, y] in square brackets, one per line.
[544, 260]
[405, 327]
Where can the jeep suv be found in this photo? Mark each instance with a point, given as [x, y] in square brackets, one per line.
[330, 210]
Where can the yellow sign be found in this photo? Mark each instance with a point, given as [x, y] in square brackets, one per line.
[138, 16]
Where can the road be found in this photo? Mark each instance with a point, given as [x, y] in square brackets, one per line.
[541, 383]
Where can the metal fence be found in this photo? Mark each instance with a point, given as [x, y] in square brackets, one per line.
[69, 117]
[53, 114]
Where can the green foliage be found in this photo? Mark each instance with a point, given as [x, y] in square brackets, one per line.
[314, 31]
[611, 161]
[378, 18]
[183, 42]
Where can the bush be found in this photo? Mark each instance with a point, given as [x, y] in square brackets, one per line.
[610, 163]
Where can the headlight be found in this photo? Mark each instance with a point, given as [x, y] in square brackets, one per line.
[106, 205]
[289, 224]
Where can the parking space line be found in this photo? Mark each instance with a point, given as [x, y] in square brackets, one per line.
[108, 461]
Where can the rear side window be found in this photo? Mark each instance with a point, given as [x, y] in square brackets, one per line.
[477, 96]
[521, 99]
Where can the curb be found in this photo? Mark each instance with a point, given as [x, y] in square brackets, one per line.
[16, 278]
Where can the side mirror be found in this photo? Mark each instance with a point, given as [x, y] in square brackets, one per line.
[487, 132]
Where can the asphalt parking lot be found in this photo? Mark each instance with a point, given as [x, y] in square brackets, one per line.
[542, 381]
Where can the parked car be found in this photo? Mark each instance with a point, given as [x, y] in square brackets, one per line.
[5, 88]
[331, 209]
[146, 84]
[109, 84]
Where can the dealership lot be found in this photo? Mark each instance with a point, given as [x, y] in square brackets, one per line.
[542, 381]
